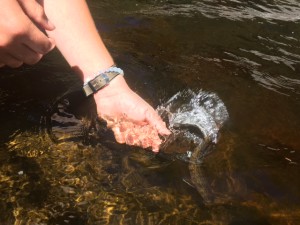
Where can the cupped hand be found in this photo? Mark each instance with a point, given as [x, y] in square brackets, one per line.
[132, 119]
[21, 41]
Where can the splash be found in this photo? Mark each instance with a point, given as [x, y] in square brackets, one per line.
[194, 118]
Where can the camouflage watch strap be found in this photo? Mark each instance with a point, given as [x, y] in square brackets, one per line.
[101, 80]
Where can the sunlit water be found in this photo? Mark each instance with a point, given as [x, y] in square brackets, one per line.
[235, 164]
[199, 110]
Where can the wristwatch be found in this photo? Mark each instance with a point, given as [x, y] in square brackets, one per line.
[101, 80]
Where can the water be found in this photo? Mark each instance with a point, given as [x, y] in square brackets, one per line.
[201, 110]
[194, 119]
[61, 166]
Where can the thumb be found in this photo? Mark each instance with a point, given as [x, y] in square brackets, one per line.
[154, 120]
[36, 13]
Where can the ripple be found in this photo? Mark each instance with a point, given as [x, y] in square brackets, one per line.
[273, 58]
[233, 10]
[275, 82]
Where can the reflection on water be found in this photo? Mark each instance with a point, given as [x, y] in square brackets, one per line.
[231, 9]
[268, 43]
[59, 165]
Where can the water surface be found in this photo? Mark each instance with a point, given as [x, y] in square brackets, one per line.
[58, 165]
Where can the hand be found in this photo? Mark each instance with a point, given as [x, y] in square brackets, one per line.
[21, 41]
[132, 120]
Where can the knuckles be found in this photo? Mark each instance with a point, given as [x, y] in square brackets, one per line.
[14, 63]
[33, 59]
[39, 14]
[19, 30]
[46, 47]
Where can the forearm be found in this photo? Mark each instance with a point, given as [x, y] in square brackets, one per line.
[76, 36]
[78, 40]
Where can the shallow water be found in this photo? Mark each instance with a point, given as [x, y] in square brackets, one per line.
[60, 166]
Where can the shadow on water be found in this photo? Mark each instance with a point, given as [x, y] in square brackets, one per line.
[60, 165]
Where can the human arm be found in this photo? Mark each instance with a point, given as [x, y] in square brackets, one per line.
[21, 41]
[78, 40]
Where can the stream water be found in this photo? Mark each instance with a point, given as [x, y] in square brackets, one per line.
[234, 158]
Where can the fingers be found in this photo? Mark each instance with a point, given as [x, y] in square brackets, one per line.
[26, 55]
[10, 61]
[21, 41]
[154, 119]
[38, 41]
[130, 133]
[36, 12]
[16, 54]
[34, 38]
[120, 138]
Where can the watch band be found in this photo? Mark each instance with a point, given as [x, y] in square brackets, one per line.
[101, 80]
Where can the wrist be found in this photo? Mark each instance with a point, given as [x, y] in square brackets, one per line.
[115, 87]
[93, 70]
[101, 79]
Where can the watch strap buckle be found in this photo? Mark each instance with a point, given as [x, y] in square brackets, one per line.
[101, 80]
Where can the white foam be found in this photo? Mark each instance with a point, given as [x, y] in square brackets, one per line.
[201, 110]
